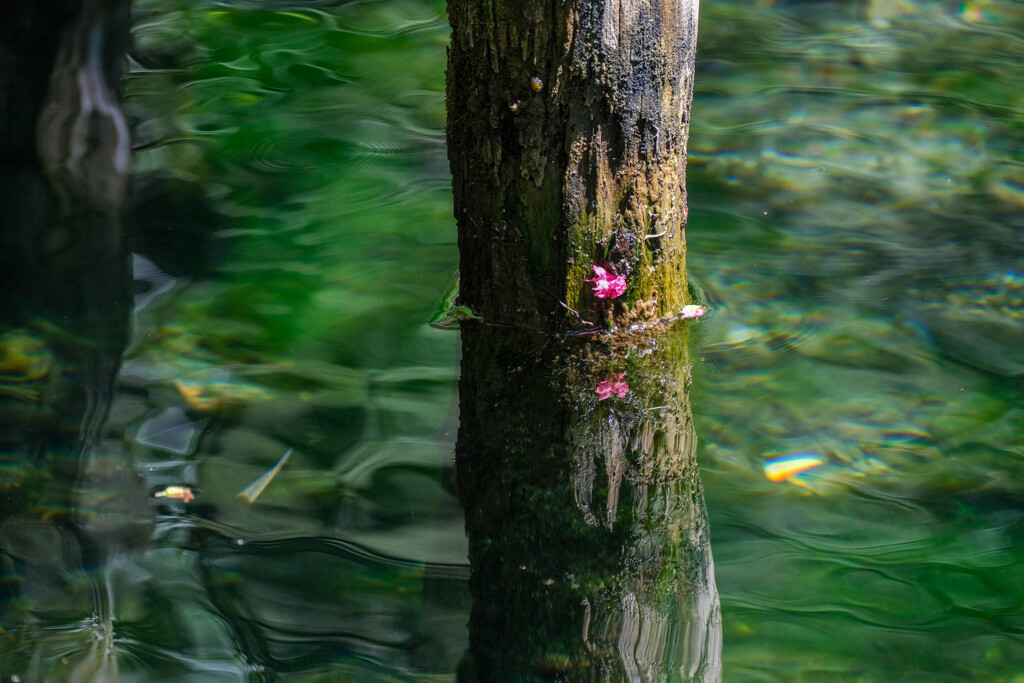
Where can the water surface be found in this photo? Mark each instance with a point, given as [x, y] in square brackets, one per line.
[856, 192]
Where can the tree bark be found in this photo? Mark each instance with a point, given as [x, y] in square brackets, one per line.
[589, 549]
[567, 130]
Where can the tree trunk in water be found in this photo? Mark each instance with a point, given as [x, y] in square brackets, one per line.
[588, 539]
[567, 128]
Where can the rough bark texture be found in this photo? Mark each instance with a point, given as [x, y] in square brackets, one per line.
[567, 129]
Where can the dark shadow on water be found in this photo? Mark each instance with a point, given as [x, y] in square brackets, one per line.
[64, 168]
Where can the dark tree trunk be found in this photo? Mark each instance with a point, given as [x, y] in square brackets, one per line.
[588, 538]
[567, 129]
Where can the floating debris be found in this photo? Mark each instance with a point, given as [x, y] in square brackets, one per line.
[182, 493]
[692, 311]
[253, 490]
[450, 313]
[214, 396]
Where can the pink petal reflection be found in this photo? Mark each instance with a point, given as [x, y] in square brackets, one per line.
[607, 387]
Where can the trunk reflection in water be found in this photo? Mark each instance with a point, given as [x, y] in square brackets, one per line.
[71, 501]
[587, 530]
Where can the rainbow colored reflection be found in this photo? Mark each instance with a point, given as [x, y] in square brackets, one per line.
[787, 468]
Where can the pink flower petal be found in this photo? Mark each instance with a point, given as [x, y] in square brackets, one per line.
[608, 286]
[692, 311]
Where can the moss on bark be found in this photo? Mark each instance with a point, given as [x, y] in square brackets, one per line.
[584, 509]
[567, 129]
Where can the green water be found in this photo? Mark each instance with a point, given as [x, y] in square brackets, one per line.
[856, 186]
[856, 192]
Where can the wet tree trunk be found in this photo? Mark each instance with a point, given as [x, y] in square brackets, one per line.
[589, 547]
[588, 538]
[567, 129]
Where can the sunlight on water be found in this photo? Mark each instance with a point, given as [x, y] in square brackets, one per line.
[293, 232]
[866, 335]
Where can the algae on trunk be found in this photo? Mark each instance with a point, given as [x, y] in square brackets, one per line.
[567, 129]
